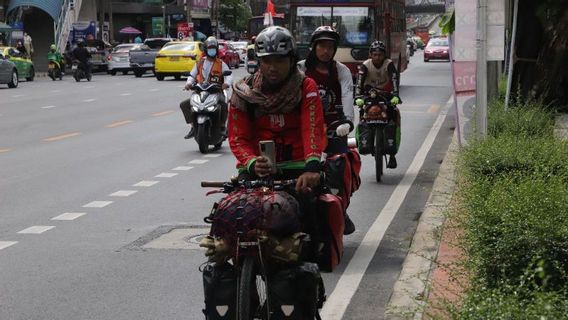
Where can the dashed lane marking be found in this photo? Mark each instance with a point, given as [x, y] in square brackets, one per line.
[145, 183]
[89, 100]
[68, 216]
[213, 155]
[198, 161]
[154, 90]
[36, 229]
[5, 150]
[126, 94]
[163, 113]
[118, 124]
[97, 204]
[6, 244]
[182, 168]
[48, 107]
[167, 175]
[55, 91]
[61, 137]
[18, 96]
[123, 193]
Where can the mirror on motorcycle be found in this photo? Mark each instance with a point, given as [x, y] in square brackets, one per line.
[227, 73]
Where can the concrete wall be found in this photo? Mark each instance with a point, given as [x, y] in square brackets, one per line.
[88, 10]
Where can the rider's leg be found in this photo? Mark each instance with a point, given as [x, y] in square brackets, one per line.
[185, 107]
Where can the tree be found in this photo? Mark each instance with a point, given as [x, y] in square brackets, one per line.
[234, 14]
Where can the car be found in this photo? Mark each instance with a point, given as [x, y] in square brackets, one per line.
[99, 50]
[8, 72]
[119, 60]
[228, 54]
[142, 58]
[177, 59]
[437, 48]
[241, 48]
[23, 63]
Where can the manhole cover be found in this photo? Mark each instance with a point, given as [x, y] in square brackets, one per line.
[178, 238]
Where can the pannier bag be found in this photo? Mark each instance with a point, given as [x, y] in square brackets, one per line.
[331, 228]
[296, 293]
[365, 137]
[220, 290]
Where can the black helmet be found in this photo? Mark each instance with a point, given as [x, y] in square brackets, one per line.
[275, 40]
[378, 46]
[211, 42]
[324, 33]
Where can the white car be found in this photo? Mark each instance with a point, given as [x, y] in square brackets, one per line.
[119, 60]
[241, 48]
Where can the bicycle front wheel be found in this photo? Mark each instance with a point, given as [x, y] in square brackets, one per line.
[252, 301]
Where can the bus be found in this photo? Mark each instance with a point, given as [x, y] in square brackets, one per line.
[256, 24]
[359, 23]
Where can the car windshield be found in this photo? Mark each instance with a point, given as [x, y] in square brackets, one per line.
[353, 23]
[438, 43]
[156, 43]
[180, 47]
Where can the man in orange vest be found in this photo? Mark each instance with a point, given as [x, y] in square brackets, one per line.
[207, 70]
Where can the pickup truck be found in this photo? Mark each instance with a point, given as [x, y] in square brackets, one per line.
[99, 51]
[142, 59]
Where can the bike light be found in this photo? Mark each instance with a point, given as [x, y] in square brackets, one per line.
[212, 108]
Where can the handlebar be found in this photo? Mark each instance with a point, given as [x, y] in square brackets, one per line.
[229, 186]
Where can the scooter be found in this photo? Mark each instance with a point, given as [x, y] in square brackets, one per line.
[80, 71]
[54, 70]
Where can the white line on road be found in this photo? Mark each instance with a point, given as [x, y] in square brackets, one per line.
[48, 107]
[145, 183]
[126, 94]
[89, 100]
[154, 90]
[198, 161]
[6, 244]
[97, 204]
[167, 175]
[68, 216]
[182, 168]
[123, 193]
[55, 91]
[89, 87]
[212, 155]
[18, 95]
[36, 229]
[338, 301]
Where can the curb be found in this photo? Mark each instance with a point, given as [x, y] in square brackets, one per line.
[410, 292]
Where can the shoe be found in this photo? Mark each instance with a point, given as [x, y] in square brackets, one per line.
[190, 134]
[349, 225]
[392, 162]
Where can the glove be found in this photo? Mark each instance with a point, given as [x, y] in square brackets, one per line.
[359, 102]
[395, 100]
[343, 129]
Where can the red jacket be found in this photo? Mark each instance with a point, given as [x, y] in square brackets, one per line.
[299, 135]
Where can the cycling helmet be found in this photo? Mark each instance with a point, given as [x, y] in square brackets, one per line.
[275, 40]
[211, 42]
[324, 33]
[52, 47]
[377, 46]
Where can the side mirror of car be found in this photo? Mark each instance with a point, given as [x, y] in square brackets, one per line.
[227, 73]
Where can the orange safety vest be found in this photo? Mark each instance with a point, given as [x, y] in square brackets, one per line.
[216, 73]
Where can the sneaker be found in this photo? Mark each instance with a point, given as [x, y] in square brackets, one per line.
[392, 162]
[349, 225]
[190, 134]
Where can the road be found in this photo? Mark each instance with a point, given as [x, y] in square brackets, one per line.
[94, 174]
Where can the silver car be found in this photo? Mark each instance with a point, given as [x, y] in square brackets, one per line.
[241, 49]
[118, 59]
[8, 72]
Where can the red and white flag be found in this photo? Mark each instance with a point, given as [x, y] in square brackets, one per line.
[269, 13]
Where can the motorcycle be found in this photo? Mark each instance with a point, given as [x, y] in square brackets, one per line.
[378, 119]
[209, 107]
[80, 71]
[54, 70]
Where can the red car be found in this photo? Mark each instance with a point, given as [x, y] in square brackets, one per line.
[228, 54]
[437, 48]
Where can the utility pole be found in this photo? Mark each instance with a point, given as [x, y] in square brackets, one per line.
[188, 4]
[481, 78]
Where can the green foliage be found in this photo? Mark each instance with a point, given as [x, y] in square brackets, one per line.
[448, 22]
[520, 120]
[234, 14]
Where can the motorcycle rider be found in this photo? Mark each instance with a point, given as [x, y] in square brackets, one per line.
[379, 72]
[82, 55]
[207, 70]
[334, 82]
[278, 103]
[54, 55]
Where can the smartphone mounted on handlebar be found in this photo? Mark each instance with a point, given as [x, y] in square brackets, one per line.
[268, 150]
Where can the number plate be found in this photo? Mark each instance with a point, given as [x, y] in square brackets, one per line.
[174, 58]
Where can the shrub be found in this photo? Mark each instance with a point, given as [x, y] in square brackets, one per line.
[520, 120]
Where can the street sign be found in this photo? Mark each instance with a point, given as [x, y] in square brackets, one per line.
[184, 30]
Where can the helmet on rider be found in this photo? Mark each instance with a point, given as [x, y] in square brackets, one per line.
[275, 48]
[211, 46]
[324, 33]
[326, 51]
[377, 46]
[52, 47]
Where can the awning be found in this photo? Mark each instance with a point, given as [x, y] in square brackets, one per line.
[52, 7]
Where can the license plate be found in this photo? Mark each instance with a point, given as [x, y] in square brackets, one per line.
[74, 68]
[174, 58]
[50, 66]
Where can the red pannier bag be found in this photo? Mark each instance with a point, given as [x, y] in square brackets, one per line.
[332, 223]
[343, 174]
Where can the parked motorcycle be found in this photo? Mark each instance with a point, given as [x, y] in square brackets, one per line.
[80, 71]
[54, 70]
[209, 108]
[378, 119]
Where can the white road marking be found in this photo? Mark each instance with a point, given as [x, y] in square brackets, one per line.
[97, 204]
[89, 87]
[55, 91]
[154, 90]
[123, 193]
[18, 95]
[89, 100]
[48, 107]
[68, 216]
[182, 168]
[6, 244]
[126, 94]
[213, 155]
[167, 175]
[36, 229]
[145, 183]
[338, 301]
[198, 161]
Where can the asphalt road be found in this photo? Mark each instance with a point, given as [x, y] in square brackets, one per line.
[91, 172]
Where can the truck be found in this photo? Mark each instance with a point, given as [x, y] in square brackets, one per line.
[142, 59]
